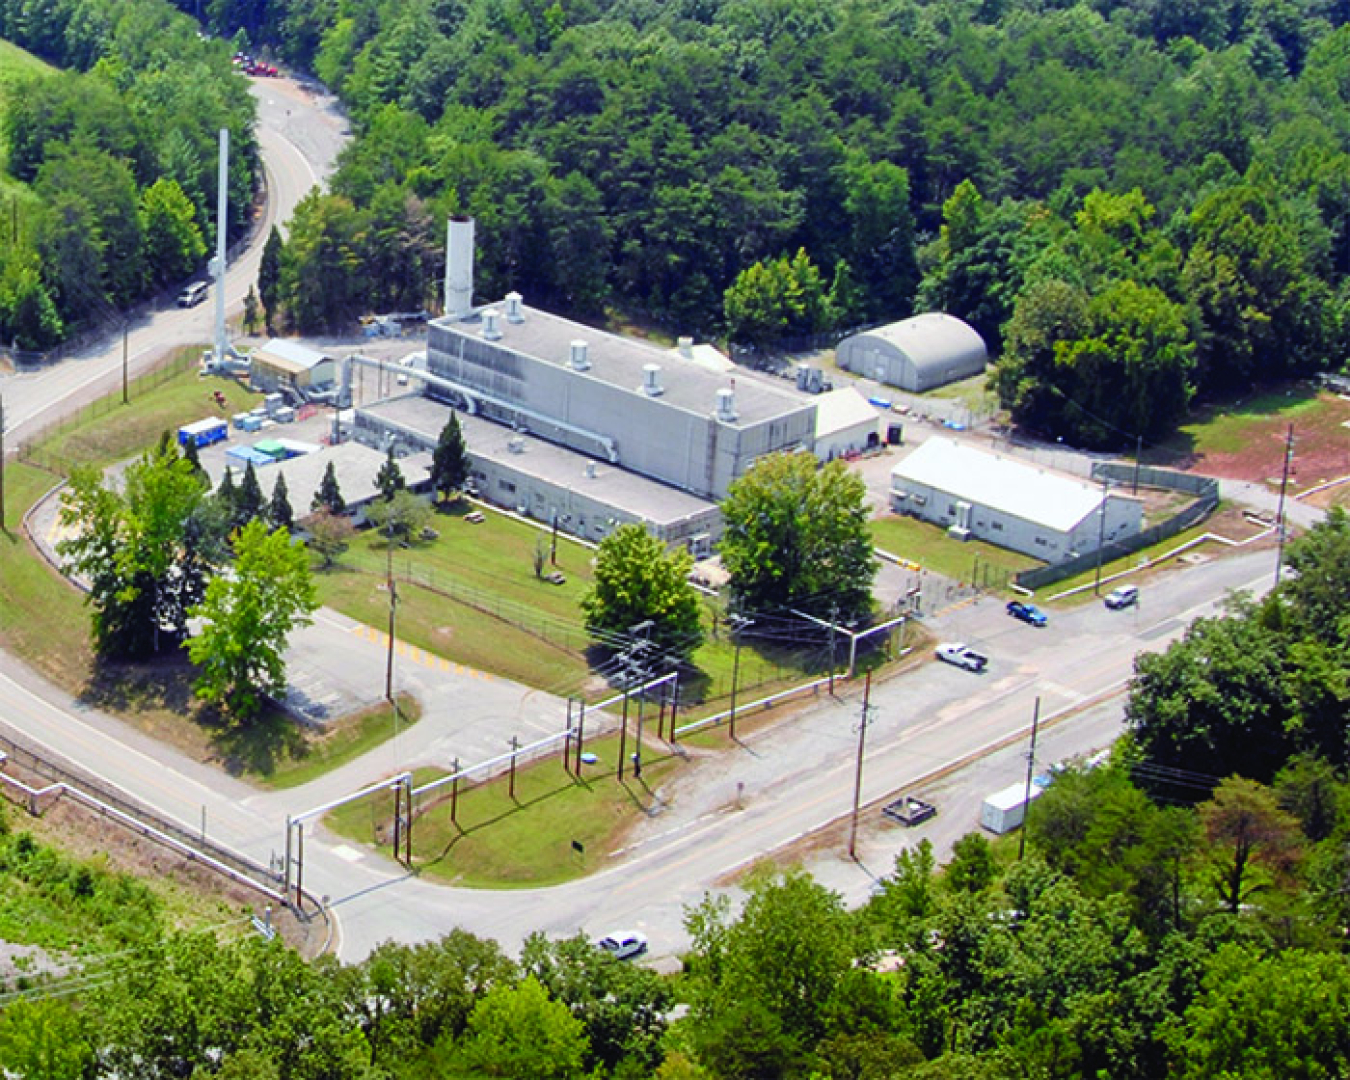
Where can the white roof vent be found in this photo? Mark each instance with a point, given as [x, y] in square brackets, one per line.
[726, 404]
[579, 359]
[590, 470]
[514, 313]
[492, 330]
[651, 380]
[516, 445]
[686, 345]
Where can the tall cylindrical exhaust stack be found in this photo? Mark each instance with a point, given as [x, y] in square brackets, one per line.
[222, 204]
[459, 266]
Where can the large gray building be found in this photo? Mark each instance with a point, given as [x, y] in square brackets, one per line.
[571, 424]
[616, 399]
[917, 354]
[1009, 503]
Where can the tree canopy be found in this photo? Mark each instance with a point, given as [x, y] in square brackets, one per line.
[796, 539]
[638, 580]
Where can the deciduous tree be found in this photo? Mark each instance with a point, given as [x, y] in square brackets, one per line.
[247, 617]
[796, 538]
[638, 579]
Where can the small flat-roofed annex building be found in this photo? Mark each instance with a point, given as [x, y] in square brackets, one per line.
[615, 399]
[280, 363]
[1009, 503]
[917, 354]
[845, 422]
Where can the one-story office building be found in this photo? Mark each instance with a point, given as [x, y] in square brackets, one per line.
[1009, 503]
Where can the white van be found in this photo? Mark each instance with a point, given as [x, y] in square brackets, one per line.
[193, 295]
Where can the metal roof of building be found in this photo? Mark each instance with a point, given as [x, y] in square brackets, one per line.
[289, 355]
[842, 409]
[557, 465]
[1003, 484]
[622, 362]
[932, 339]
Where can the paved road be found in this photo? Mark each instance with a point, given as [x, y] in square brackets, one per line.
[299, 135]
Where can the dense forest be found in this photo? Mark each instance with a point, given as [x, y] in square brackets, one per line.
[1136, 202]
[111, 161]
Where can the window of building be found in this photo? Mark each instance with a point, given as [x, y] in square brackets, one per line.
[1040, 541]
[997, 526]
[506, 485]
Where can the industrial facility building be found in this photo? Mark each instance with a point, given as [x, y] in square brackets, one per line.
[917, 354]
[568, 423]
[281, 365]
[547, 482]
[1009, 503]
[617, 400]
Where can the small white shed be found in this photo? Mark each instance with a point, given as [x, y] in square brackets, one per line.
[845, 422]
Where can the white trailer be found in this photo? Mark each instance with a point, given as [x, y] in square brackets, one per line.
[1004, 810]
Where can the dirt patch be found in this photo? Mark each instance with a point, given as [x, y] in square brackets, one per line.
[1251, 447]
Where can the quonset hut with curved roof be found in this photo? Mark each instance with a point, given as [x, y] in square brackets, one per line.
[916, 354]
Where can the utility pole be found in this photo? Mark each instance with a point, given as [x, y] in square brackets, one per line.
[857, 772]
[1138, 460]
[737, 623]
[125, 324]
[1031, 768]
[1101, 535]
[1279, 514]
[393, 603]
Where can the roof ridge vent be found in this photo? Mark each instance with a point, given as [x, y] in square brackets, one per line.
[492, 330]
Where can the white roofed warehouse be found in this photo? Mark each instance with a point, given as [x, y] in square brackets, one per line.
[917, 354]
[1009, 503]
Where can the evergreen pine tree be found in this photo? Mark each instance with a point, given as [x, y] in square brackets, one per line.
[194, 458]
[279, 511]
[269, 277]
[249, 503]
[227, 496]
[390, 477]
[329, 496]
[450, 461]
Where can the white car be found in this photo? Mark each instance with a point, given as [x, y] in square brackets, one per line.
[623, 944]
[962, 655]
[1122, 597]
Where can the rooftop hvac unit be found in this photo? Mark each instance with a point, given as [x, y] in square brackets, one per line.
[651, 380]
[579, 358]
[514, 313]
[726, 404]
[491, 324]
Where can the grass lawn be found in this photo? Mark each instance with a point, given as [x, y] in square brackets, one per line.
[108, 431]
[1227, 429]
[931, 547]
[525, 842]
[456, 631]
[42, 616]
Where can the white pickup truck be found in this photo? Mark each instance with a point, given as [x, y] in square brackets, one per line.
[963, 656]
